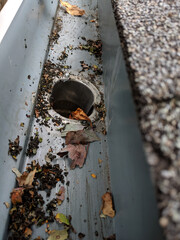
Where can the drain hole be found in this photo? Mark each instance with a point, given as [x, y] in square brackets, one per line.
[69, 95]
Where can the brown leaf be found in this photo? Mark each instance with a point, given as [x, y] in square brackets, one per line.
[26, 179]
[72, 9]
[81, 136]
[61, 195]
[16, 195]
[7, 204]
[77, 153]
[79, 114]
[27, 232]
[107, 206]
[36, 113]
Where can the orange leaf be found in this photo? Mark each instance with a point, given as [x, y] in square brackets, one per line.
[93, 175]
[16, 195]
[79, 114]
[36, 113]
[72, 9]
[107, 206]
[27, 232]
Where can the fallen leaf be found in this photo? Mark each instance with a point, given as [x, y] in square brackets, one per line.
[100, 161]
[107, 206]
[81, 136]
[58, 234]
[93, 20]
[22, 124]
[16, 195]
[26, 178]
[7, 204]
[77, 153]
[27, 232]
[79, 114]
[16, 171]
[61, 218]
[14, 148]
[26, 103]
[72, 9]
[61, 195]
[71, 127]
[36, 113]
[93, 175]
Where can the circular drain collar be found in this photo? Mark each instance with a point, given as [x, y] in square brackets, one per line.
[68, 95]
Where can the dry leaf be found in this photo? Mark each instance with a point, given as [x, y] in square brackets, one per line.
[79, 114]
[36, 113]
[72, 9]
[7, 204]
[61, 195]
[99, 161]
[107, 206]
[16, 195]
[26, 178]
[93, 175]
[58, 234]
[27, 232]
[61, 218]
[77, 153]
[81, 136]
[16, 171]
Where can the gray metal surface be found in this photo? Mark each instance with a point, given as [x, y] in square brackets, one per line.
[22, 52]
[136, 210]
[136, 215]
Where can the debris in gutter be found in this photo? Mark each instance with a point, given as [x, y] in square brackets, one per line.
[77, 153]
[112, 237]
[7, 204]
[61, 218]
[27, 208]
[60, 195]
[72, 9]
[58, 234]
[93, 175]
[107, 205]
[33, 145]
[79, 114]
[84, 136]
[14, 148]
[81, 235]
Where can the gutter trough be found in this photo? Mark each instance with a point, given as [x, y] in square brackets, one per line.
[118, 159]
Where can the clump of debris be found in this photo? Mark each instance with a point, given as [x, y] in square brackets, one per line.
[28, 204]
[14, 148]
[33, 145]
[42, 106]
[94, 47]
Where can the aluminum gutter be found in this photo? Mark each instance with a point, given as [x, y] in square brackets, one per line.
[22, 52]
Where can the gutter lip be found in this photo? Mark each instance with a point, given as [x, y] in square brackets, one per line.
[7, 15]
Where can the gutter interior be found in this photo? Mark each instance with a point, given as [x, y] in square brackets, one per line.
[121, 151]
